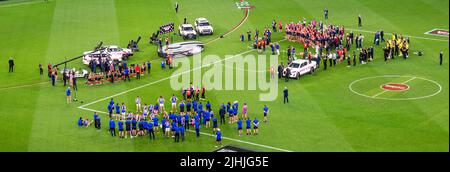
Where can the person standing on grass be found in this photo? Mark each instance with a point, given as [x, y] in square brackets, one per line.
[203, 92]
[112, 127]
[244, 110]
[120, 125]
[286, 76]
[325, 13]
[222, 113]
[285, 94]
[441, 56]
[248, 126]
[74, 83]
[133, 127]
[182, 131]
[177, 133]
[110, 109]
[197, 127]
[176, 7]
[11, 65]
[138, 72]
[359, 20]
[266, 111]
[128, 128]
[149, 66]
[68, 95]
[150, 130]
[64, 77]
[214, 124]
[219, 138]
[95, 120]
[280, 71]
[255, 126]
[239, 126]
[127, 74]
[41, 70]
[138, 104]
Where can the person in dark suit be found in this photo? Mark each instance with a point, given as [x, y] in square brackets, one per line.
[285, 95]
[11, 64]
[176, 7]
[280, 71]
[441, 56]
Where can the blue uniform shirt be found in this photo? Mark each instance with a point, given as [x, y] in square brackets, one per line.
[117, 109]
[218, 136]
[112, 124]
[239, 124]
[197, 124]
[249, 123]
[120, 124]
[150, 126]
[155, 121]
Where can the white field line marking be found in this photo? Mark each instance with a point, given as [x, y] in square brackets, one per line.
[163, 79]
[418, 37]
[22, 86]
[350, 87]
[22, 3]
[387, 90]
[207, 134]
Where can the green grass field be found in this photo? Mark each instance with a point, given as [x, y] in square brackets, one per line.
[324, 113]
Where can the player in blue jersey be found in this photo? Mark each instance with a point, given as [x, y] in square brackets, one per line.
[219, 138]
[197, 128]
[120, 125]
[128, 127]
[239, 126]
[266, 112]
[214, 124]
[112, 127]
[248, 126]
[117, 108]
[255, 126]
[155, 124]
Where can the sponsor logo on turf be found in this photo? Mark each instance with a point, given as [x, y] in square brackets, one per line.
[243, 5]
[438, 32]
[394, 87]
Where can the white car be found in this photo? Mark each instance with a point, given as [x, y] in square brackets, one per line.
[111, 52]
[300, 67]
[203, 27]
[187, 31]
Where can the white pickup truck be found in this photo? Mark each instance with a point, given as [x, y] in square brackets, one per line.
[300, 67]
[203, 26]
[187, 31]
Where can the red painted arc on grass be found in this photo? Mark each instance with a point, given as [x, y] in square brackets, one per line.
[395, 87]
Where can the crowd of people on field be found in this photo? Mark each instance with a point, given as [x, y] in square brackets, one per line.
[190, 111]
[118, 71]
